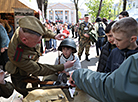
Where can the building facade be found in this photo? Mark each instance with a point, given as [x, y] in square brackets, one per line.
[64, 12]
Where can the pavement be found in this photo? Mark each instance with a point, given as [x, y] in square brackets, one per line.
[50, 57]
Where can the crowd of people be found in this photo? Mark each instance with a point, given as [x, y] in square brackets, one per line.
[116, 45]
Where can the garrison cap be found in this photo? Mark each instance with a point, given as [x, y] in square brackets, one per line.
[32, 23]
[86, 15]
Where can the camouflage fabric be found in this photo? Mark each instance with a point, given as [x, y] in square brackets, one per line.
[84, 41]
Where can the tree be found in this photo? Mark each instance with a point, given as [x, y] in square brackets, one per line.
[124, 5]
[45, 7]
[45, 3]
[76, 7]
[106, 8]
[99, 8]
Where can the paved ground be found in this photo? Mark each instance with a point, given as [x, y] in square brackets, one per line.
[50, 57]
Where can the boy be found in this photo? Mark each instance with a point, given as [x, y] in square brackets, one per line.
[68, 48]
[107, 48]
[125, 35]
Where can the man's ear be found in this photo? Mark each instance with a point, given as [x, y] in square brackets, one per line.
[133, 38]
[24, 40]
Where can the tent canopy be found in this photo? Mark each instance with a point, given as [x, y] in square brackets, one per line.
[7, 6]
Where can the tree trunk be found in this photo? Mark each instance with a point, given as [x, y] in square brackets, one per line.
[45, 9]
[39, 2]
[76, 7]
[77, 20]
[124, 5]
[99, 8]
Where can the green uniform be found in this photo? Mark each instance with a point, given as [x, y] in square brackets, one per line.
[23, 59]
[84, 41]
[6, 89]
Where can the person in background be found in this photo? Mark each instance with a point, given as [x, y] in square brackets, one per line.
[107, 48]
[4, 42]
[72, 30]
[84, 28]
[100, 41]
[76, 30]
[54, 40]
[5, 25]
[65, 31]
[123, 14]
[105, 21]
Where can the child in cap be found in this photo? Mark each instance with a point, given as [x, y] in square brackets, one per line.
[68, 48]
[125, 33]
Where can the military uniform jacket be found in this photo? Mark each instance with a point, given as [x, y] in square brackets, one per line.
[118, 86]
[24, 59]
[85, 28]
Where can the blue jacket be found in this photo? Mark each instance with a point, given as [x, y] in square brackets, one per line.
[118, 86]
[4, 39]
[116, 58]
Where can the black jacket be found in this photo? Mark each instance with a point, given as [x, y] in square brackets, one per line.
[116, 58]
[106, 49]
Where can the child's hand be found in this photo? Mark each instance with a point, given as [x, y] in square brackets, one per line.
[69, 64]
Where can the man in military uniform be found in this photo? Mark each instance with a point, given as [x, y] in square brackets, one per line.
[24, 51]
[84, 28]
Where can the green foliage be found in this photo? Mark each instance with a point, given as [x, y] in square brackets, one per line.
[106, 9]
[79, 14]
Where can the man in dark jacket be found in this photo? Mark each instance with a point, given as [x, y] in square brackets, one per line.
[106, 49]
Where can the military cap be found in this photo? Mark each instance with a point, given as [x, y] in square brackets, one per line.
[86, 15]
[32, 23]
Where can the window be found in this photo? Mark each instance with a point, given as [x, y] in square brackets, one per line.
[51, 17]
[61, 17]
[66, 12]
[134, 4]
[61, 12]
[58, 12]
[66, 17]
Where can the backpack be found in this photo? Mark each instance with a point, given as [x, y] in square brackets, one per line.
[100, 31]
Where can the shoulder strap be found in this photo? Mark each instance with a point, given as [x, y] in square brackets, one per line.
[59, 58]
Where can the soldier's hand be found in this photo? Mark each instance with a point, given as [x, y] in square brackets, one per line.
[2, 77]
[86, 35]
[69, 64]
[59, 36]
[72, 83]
